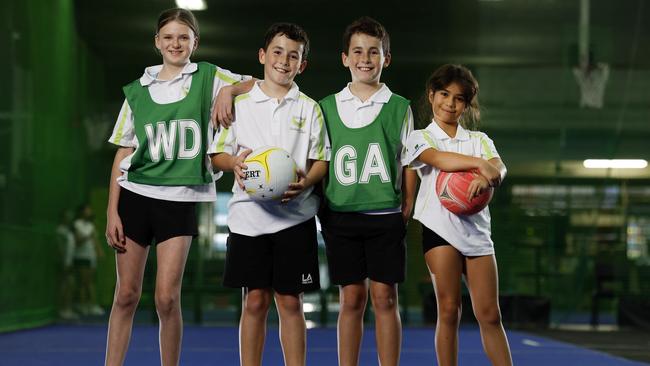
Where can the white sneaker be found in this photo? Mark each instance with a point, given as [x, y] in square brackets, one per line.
[68, 314]
[95, 310]
[82, 309]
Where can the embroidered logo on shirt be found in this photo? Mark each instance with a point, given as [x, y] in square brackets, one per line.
[298, 124]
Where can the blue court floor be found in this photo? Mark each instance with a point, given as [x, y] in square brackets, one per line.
[73, 345]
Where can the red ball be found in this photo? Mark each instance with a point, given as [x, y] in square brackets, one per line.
[452, 190]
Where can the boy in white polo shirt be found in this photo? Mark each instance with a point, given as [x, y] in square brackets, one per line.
[272, 248]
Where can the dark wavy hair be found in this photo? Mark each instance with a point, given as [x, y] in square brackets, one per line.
[443, 77]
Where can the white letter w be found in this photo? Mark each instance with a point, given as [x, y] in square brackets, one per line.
[165, 139]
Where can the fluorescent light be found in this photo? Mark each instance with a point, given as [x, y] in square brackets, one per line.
[308, 308]
[192, 4]
[615, 163]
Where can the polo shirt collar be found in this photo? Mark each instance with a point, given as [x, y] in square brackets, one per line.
[439, 134]
[151, 73]
[381, 96]
[259, 96]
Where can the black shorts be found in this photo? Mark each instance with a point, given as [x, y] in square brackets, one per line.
[431, 240]
[361, 246]
[148, 219]
[82, 263]
[286, 261]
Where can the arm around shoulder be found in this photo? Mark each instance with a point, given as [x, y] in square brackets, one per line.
[222, 113]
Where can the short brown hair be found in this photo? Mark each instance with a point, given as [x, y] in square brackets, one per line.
[292, 31]
[366, 25]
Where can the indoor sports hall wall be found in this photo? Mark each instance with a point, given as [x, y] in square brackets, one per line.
[50, 80]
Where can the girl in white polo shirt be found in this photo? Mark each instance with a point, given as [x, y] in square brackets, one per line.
[160, 171]
[454, 245]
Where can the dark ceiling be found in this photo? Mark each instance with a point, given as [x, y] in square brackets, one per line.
[522, 52]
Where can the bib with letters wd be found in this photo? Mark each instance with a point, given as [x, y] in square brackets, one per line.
[172, 137]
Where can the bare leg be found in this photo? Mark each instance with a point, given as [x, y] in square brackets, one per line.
[92, 295]
[252, 326]
[482, 281]
[128, 288]
[293, 333]
[446, 267]
[172, 255]
[67, 289]
[353, 299]
[388, 325]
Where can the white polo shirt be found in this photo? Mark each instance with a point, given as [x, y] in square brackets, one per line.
[357, 114]
[164, 92]
[469, 234]
[295, 124]
[85, 248]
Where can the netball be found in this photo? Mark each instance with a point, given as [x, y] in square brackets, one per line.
[270, 171]
[452, 191]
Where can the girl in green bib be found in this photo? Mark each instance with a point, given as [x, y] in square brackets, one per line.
[161, 170]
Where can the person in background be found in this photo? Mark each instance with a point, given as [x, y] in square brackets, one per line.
[66, 248]
[87, 250]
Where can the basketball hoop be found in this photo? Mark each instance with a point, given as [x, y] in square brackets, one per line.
[592, 80]
[97, 129]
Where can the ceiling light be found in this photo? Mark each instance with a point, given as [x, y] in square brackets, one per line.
[615, 163]
[192, 4]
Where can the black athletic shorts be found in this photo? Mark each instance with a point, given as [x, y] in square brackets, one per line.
[286, 261]
[146, 220]
[431, 240]
[361, 246]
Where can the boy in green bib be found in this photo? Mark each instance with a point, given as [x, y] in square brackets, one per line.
[369, 193]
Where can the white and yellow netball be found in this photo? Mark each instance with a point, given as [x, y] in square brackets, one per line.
[270, 171]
